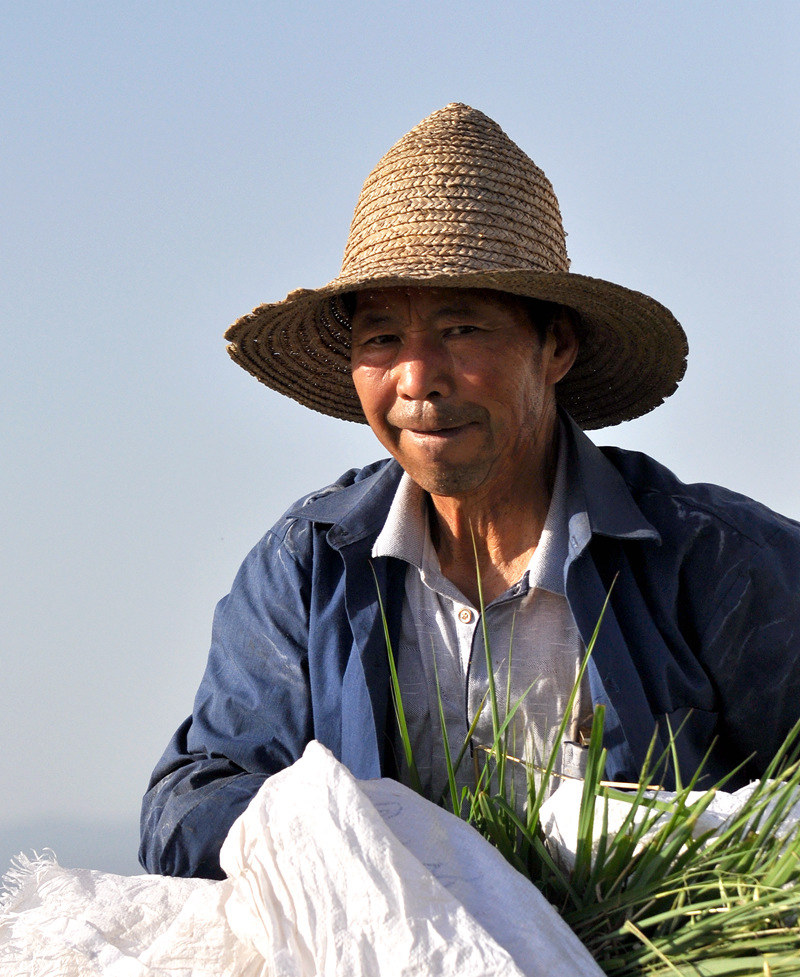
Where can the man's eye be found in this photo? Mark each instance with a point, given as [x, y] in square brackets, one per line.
[463, 330]
[383, 339]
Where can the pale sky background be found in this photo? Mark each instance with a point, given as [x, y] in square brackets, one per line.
[167, 166]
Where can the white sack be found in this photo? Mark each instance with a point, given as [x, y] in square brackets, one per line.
[59, 922]
[387, 884]
[327, 876]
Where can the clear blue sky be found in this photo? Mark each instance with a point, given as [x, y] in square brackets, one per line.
[167, 166]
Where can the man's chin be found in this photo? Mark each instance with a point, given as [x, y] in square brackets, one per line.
[447, 480]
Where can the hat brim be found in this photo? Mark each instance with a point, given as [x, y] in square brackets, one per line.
[632, 351]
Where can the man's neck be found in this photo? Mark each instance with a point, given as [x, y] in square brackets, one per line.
[495, 536]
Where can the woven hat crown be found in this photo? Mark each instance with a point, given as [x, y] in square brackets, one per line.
[455, 195]
[456, 204]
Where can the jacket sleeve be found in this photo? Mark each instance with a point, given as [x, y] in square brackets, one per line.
[251, 716]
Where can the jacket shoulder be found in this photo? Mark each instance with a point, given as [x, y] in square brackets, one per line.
[353, 476]
[360, 494]
[286, 552]
[660, 494]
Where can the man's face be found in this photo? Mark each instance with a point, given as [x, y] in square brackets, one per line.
[456, 384]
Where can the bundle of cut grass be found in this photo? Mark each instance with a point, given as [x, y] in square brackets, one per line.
[669, 892]
[665, 892]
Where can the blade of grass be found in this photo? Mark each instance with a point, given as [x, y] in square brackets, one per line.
[489, 663]
[397, 698]
[451, 774]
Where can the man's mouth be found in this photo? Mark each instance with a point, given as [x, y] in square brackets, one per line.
[448, 431]
[445, 427]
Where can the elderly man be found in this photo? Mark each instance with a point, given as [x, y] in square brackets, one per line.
[456, 330]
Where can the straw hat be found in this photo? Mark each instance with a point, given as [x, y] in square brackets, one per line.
[455, 203]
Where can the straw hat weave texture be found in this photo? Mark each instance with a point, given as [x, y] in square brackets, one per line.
[455, 203]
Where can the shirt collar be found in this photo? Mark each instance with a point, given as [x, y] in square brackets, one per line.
[546, 569]
[597, 499]
[406, 528]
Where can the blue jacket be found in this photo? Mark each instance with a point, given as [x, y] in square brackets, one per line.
[704, 623]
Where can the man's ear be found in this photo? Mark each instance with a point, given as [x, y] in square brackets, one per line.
[562, 344]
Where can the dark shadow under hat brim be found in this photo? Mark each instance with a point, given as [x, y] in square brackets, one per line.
[632, 349]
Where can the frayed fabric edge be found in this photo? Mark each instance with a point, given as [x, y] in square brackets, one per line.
[22, 872]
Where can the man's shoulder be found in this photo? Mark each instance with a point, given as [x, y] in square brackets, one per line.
[340, 495]
[660, 494]
[358, 500]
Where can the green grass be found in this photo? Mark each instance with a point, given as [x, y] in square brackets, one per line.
[654, 897]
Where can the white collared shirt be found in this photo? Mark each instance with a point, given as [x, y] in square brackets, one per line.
[529, 625]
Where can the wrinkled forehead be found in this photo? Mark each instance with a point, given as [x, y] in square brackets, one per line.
[458, 299]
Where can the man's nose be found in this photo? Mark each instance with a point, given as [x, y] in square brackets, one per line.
[423, 369]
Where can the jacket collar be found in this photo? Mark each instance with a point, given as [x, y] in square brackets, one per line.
[597, 494]
[356, 510]
[598, 499]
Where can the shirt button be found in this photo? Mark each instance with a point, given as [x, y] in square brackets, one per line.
[465, 615]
